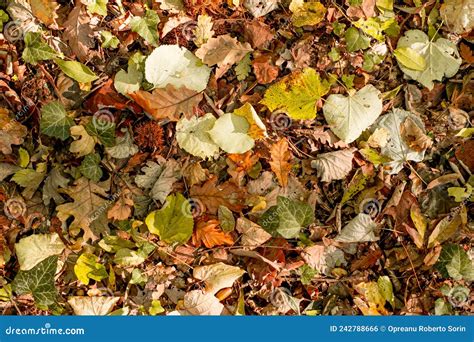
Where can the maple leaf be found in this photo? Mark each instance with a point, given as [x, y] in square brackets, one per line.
[209, 234]
[213, 195]
[280, 161]
[11, 132]
[79, 33]
[223, 51]
[169, 102]
[88, 199]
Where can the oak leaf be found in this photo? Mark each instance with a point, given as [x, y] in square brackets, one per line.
[281, 161]
[169, 102]
[88, 197]
[209, 234]
[122, 209]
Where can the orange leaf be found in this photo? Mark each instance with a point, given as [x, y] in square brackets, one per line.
[168, 102]
[280, 162]
[210, 234]
[213, 195]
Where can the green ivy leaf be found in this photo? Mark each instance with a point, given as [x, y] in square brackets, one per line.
[90, 167]
[39, 281]
[103, 129]
[36, 50]
[455, 263]
[109, 40]
[174, 222]
[287, 218]
[146, 27]
[55, 122]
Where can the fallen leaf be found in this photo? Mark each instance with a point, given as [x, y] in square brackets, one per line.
[209, 234]
[169, 102]
[223, 51]
[414, 136]
[217, 276]
[334, 165]
[281, 161]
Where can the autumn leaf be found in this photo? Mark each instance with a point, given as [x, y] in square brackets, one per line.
[213, 195]
[79, 33]
[281, 161]
[87, 197]
[45, 11]
[169, 102]
[11, 132]
[209, 234]
[223, 51]
[297, 94]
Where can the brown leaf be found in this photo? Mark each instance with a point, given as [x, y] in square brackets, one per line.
[210, 234]
[465, 153]
[122, 209]
[213, 195]
[79, 33]
[280, 161]
[442, 180]
[240, 164]
[414, 136]
[223, 51]
[169, 102]
[11, 132]
[258, 34]
[264, 70]
[107, 96]
[252, 234]
[466, 53]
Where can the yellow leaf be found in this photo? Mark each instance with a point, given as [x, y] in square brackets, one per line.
[45, 10]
